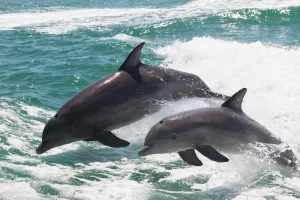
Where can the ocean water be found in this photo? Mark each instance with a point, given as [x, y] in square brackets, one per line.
[50, 50]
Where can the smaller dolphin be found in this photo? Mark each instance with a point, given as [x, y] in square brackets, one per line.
[210, 130]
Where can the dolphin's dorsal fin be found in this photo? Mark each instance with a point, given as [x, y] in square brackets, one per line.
[235, 101]
[133, 60]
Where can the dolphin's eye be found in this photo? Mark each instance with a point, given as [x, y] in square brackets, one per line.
[174, 137]
[161, 121]
[56, 116]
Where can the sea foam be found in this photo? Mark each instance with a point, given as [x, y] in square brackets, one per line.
[65, 20]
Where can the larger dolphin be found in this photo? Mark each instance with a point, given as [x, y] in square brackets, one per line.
[125, 96]
[210, 130]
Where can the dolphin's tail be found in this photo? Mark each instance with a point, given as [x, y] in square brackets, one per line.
[217, 95]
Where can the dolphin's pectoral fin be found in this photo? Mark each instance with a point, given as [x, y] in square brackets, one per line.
[109, 139]
[211, 153]
[190, 157]
[133, 60]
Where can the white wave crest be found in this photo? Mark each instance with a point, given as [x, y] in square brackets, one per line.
[63, 21]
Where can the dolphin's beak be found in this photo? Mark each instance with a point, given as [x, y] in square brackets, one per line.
[49, 144]
[44, 146]
[144, 151]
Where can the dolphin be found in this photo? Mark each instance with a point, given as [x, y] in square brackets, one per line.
[211, 130]
[119, 99]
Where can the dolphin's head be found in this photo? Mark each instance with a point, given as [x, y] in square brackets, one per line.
[166, 137]
[56, 132]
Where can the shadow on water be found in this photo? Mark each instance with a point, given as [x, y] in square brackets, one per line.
[92, 153]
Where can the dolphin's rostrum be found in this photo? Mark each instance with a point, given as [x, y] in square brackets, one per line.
[210, 130]
[119, 99]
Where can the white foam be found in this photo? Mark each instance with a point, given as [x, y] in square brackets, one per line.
[284, 197]
[111, 189]
[290, 182]
[68, 20]
[121, 190]
[240, 4]
[247, 197]
[36, 112]
[117, 185]
[260, 193]
[16, 158]
[63, 21]
[8, 115]
[17, 191]
[61, 149]
[12, 113]
[128, 38]
[15, 142]
[3, 128]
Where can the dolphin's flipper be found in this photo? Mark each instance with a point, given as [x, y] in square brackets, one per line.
[211, 153]
[235, 101]
[190, 157]
[133, 60]
[109, 139]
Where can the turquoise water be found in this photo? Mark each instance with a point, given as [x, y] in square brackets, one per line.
[51, 50]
